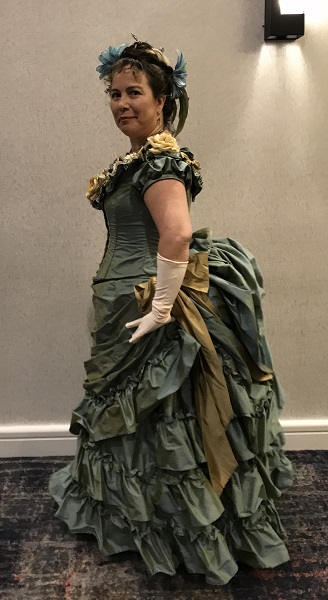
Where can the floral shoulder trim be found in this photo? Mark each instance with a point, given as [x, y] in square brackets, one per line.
[160, 143]
[165, 142]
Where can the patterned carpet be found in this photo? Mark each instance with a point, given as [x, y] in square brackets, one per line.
[41, 560]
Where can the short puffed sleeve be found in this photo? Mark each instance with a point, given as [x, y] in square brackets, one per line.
[179, 165]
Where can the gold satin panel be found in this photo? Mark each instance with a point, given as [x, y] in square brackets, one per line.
[213, 404]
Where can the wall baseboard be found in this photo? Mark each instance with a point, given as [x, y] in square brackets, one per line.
[55, 439]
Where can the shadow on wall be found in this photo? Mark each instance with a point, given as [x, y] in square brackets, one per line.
[252, 17]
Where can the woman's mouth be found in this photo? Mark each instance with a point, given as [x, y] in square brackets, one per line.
[125, 119]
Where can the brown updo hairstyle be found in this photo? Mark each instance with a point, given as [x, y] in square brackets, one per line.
[141, 56]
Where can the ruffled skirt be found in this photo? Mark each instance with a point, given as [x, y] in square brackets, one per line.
[139, 480]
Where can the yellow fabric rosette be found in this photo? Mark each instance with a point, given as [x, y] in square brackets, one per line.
[163, 142]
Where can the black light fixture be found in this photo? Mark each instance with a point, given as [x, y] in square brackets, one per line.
[280, 26]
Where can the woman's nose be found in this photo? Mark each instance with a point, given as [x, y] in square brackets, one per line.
[123, 103]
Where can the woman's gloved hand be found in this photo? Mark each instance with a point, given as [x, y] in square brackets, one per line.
[170, 275]
[145, 325]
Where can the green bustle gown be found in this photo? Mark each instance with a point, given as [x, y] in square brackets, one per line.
[139, 480]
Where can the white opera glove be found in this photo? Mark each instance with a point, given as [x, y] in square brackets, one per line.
[170, 275]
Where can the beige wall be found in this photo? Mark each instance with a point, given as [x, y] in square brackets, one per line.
[258, 124]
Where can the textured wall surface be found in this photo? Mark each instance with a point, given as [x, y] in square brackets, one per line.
[258, 124]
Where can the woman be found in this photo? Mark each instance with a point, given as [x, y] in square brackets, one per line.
[180, 452]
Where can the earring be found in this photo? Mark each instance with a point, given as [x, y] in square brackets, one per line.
[158, 118]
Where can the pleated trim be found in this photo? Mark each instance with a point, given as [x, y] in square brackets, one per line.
[255, 481]
[140, 375]
[171, 516]
[180, 165]
[127, 404]
[185, 525]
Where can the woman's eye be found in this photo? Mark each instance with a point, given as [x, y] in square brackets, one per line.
[134, 92]
[114, 95]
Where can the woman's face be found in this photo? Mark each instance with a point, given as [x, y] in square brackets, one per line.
[134, 107]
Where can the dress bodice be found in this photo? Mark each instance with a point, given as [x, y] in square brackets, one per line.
[132, 239]
[132, 234]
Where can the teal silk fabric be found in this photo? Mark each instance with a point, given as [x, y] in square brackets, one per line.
[139, 480]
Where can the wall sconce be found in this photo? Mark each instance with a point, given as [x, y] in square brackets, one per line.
[284, 20]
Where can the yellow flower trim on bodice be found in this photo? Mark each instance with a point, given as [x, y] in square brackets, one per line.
[96, 183]
[163, 142]
[159, 143]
